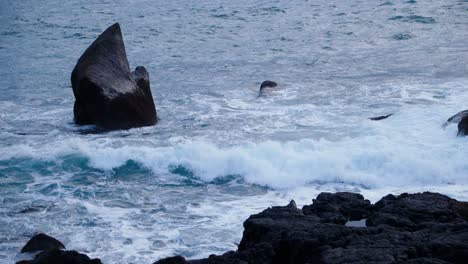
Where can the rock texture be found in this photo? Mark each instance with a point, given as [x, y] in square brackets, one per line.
[409, 228]
[107, 94]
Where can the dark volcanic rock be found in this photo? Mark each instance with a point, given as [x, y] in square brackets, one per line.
[52, 253]
[416, 211]
[463, 127]
[42, 242]
[457, 117]
[107, 94]
[339, 207]
[172, 260]
[377, 118]
[267, 84]
[56, 256]
[409, 228]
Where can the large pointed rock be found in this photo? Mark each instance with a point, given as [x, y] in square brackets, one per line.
[107, 94]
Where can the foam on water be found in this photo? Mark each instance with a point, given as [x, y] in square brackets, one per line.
[409, 148]
[125, 196]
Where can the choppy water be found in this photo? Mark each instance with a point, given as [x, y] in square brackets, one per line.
[219, 153]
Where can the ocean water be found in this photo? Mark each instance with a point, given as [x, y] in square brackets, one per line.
[219, 152]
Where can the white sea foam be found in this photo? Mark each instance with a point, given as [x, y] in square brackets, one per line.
[409, 148]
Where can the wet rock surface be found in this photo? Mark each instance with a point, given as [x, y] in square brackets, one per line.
[57, 256]
[50, 251]
[463, 127]
[107, 94]
[409, 228]
[268, 84]
[378, 118]
[42, 242]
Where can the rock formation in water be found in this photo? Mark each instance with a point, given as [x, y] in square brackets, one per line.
[462, 119]
[457, 117]
[267, 84]
[41, 242]
[107, 94]
[377, 118]
[409, 228]
[463, 126]
[51, 251]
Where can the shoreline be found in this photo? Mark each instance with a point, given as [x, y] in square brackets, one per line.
[340, 227]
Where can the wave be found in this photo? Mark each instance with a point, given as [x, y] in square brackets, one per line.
[397, 152]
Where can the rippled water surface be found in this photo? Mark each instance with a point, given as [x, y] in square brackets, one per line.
[220, 152]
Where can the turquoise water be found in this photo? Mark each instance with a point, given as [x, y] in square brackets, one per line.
[220, 153]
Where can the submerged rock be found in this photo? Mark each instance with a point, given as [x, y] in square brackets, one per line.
[52, 253]
[107, 94]
[409, 228]
[267, 84]
[377, 118]
[463, 126]
[41, 242]
[462, 119]
[457, 117]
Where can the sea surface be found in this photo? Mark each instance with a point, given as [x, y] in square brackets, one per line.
[219, 152]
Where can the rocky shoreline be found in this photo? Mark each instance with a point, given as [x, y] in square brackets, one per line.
[336, 228]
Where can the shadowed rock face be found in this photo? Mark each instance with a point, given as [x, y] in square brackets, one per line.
[107, 94]
[409, 228]
[378, 118]
[463, 127]
[457, 117]
[267, 84]
[41, 242]
[56, 256]
[51, 252]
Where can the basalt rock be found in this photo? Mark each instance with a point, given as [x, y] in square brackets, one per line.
[57, 256]
[41, 242]
[51, 252]
[172, 260]
[378, 118]
[409, 228]
[339, 207]
[107, 94]
[463, 127]
[457, 117]
[267, 84]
